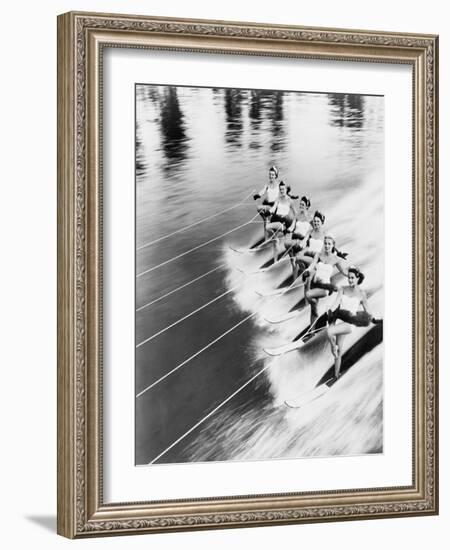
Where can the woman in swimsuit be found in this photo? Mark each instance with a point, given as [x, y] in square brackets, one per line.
[270, 192]
[314, 242]
[348, 300]
[296, 233]
[282, 215]
[319, 275]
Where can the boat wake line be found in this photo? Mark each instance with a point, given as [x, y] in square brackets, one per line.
[149, 270]
[220, 337]
[218, 407]
[186, 227]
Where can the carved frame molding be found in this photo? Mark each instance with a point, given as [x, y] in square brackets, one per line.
[81, 37]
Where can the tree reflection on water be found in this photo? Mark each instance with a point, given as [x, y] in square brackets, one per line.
[173, 132]
[347, 110]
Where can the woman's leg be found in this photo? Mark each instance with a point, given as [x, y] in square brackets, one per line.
[263, 211]
[332, 339]
[312, 297]
[337, 362]
[338, 333]
[289, 244]
[290, 248]
[294, 262]
[304, 259]
[294, 268]
[273, 231]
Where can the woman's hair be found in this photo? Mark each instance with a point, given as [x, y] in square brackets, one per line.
[319, 215]
[274, 170]
[306, 201]
[330, 235]
[282, 183]
[360, 276]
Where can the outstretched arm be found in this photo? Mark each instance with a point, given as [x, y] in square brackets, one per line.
[259, 194]
[364, 302]
[343, 269]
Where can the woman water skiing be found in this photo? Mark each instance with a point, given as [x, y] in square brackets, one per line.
[314, 243]
[270, 193]
[319, 274]
[348, 300]
[296, 233]
[282, 215]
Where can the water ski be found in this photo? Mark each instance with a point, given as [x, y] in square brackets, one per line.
[250, 249]
[286, 348]
[266, 267]
[279, 291]
[283, 317]
[361, 347]
[296, 344]
[309, 396]
[320, 323]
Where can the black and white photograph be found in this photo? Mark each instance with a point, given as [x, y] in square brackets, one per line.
[260, 272]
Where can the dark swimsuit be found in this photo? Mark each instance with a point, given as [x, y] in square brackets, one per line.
[297, 247]
[266, 213]
[359, 319]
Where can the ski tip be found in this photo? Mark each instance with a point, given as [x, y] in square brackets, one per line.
[281, 318]
[289, 406]
[268, 320]
[270, 351]
[268, 294]
[274, 320]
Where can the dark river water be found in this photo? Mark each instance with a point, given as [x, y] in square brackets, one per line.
[200, 332]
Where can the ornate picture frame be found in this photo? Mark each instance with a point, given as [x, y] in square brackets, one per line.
[82, 40]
